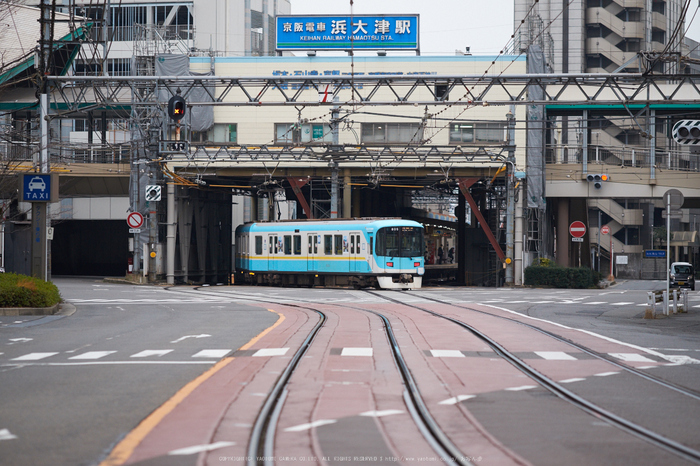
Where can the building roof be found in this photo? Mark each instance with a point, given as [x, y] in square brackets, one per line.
[19, 40]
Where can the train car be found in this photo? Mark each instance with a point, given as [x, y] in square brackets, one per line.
[372, 252]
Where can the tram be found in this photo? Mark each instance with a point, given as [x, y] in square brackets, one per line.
[368, 252]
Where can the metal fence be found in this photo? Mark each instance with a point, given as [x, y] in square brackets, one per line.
[681, 160]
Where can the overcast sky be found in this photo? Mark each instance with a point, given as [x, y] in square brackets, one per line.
[447, 25]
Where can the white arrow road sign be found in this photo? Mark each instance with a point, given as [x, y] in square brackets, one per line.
[204, 335]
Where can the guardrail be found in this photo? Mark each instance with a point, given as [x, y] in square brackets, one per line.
[680, 302]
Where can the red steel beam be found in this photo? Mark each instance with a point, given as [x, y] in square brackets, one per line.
[464, 185]
[297, 184]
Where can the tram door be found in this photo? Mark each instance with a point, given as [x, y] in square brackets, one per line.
[355, 253]
[273, 249]
[312, 241]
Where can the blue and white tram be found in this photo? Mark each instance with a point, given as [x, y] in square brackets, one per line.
[385, 253]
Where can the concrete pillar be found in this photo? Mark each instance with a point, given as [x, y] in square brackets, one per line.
[347, 195]
[563, 242]
[170, 236]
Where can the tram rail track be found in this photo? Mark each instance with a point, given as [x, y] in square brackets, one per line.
[560, 391]
[260, 451]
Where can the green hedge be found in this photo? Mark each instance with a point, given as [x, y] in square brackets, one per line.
[559, 277]
[23, 291]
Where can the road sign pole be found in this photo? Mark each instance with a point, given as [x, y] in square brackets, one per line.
[668, 251]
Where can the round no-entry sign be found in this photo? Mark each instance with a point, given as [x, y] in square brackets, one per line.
[577, 229]
[134, 220]
[604, 230]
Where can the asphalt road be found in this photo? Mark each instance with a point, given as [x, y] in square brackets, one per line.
[73, 385]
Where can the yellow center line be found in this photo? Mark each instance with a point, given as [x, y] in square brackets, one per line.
[124, 449]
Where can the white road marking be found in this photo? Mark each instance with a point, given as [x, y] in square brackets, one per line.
[20, 340]
[456, 399]
[93, 355]
[572, 380]
[33, 356]
[442, 353]
[357, 352]
[149, 353]
[605, 374]
[620, 304]
[200, 448]
[204, 335]
[311, 425]
[6, 435]
[596, 302]
[555, 356]
[271, 352]
[631, 357]
[524, 387]
[386, 412]
[212, 353]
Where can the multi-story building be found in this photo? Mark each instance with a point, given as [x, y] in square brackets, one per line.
[613, 36]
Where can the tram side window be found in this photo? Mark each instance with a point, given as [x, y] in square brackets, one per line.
[352, 244]
[328, 244]
[297, 245]
[258, 245]
[287, 244]
[338, 245]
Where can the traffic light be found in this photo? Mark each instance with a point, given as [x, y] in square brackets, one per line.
[176, 107]
[687, 132]
[597, 179]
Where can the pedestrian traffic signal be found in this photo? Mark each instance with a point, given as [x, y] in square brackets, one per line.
[597, 179]
[176, 107]
[687, 132]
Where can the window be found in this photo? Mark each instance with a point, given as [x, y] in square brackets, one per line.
[400, 242]
[478, 133]
[390, 133]
[289, 133]
[338, 245]
[258, 245]
[287, 244]
[328, 244]
[297, 245]
[226, 132]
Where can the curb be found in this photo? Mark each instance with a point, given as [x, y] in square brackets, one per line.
[29, 311]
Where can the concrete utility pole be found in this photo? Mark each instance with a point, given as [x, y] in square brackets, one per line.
[510, 192]
[40, 223]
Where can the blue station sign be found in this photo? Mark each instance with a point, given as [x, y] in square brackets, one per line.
[340, 32]
[654, 253]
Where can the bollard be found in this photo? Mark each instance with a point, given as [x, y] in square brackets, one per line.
[675, 301]
[651, 302]
[684, 300]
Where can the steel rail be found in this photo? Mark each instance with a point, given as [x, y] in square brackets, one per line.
[262, 438]
[557, 389]
[261, 444]
[665, 383]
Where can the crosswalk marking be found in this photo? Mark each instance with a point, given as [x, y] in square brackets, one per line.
[456, 399]
[33, 356]
[576, 379]
[523, 387]
[357, 352]
[620, 304]
[93, 355]
[212, 353]
[631, 357]
[555, 355]
[149, 353]
[446, 353]
[311, 425]
[271, 352]
[6, 435]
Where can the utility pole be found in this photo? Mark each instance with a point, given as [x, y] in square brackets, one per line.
[510, 193]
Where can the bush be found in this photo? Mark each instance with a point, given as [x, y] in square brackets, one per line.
[559, 277]
[23, 291]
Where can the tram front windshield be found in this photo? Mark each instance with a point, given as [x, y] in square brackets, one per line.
[400, 242]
